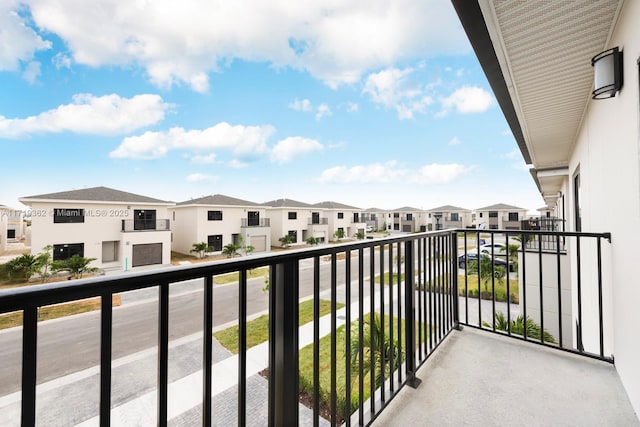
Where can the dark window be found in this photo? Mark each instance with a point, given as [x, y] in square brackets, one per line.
[215, 242]
[144, 219]
[356, 217]
[455, 217]
[253, 218]
[513, 216]
[480, 214]
[293, 235]
[293, 215]
[396, 226]
[493, 227]
[340, 215]
[315, 218]
[373, 217]
[62, 216]
[409, 217]
[11, 234]
[235, 239]
[214, 215]
[396, 214]
[493, 214]
[576, 202]
[66, 251]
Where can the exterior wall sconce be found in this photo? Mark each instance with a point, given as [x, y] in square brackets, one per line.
[607, 73]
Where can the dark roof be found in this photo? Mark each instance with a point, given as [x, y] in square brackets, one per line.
[96, 194]
[472, 20]
[286, 203]
[334, 205]
[406, 209]
[447, 208]
[218, 199]
[374, 210]
[500, 207]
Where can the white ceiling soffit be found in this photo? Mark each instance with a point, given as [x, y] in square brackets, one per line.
[545, 48]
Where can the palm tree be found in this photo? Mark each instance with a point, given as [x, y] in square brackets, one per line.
[231, 250]
[518, 325]
[200, 248]
[372, 337]
[488, 271]
[285, 240]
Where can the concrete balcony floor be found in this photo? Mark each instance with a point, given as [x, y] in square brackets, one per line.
[481, 379]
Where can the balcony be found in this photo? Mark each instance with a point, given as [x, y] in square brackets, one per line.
[255, 222]
[169, 369]
[134, 225]
[318, 221]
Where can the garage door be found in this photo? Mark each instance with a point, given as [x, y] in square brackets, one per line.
[147, 254]
[259, 243]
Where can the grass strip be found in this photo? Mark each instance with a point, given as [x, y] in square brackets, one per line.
[223, 279]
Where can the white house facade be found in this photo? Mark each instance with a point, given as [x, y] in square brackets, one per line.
[120, 230]
[407, 219]
[220, 220]
[500, 217]
[298, 220]
[448, 216]
[567, 78]
[342, 217]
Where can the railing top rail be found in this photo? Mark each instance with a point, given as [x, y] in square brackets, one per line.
[54, 293]
[605, 235]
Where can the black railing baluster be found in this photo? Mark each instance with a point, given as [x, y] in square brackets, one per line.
[207, 347]
[106, 328]
[493, 283]
[334, 297]
[431, 290]
[508, 260]
[579, 291]
[29, 364]
[383, 364]
[347, 338]
[399, 301]
[600, 315]
[541, 290]
[242, 348]
[420, 287]
[361, 335]
[559, 279]
[453, 265]
[392, 359]
[523, 241]
[466, 281]
[316, 341]
[479, 288]
[409, 316]
[163, 352]
[372, 350]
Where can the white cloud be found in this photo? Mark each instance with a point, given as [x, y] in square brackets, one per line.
[199, 177]
[467, 99]
[336, 41]
[288, 148]
[31, 72]
[352, 107]
[455, 141]
[512, 155]
[301, 105]
[94, 115]
[390, 172]
[240, 140]
[393, 88]
[237, 164]
[18, 41]
[205, 159]
[61, 61]
[323, 111]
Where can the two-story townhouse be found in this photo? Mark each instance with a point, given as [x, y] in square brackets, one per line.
[374, 218]
[448, 216]
[120, 230]
[298, 220]
[220, 220]
[566, 76]
[407, 219]
[500, 217]
[342, 217]
[14, 225]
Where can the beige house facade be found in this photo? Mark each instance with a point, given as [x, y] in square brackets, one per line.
[121, 230]
[342, 217]
[448, 216]
[500, 217]
[298, 220]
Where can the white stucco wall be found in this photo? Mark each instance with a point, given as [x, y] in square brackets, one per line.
[607, 155]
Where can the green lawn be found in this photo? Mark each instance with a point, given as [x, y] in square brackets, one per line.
[500, 289]
[394, 277]
[224, 279]
[258, 329]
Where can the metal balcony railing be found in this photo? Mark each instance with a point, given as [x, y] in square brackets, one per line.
[130, 225]
[255, 222]
[319, 221]
[406, 290]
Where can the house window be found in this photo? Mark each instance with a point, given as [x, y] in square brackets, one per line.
[356, 217]
[293, 235]
[293, 215]
[480, 214]
[455, 217]
[11, 234]
[373, 217]
[144, 219]
[68, 250]
[214, 215]
[409, 217]
[65, 216]
[110, 251]
[577, 212]
[236, 239]
[513, 216]
[215, 241]
[253, 218]
[396, 227]
[315, 218]
[396, 214]
[174, 215]
[340, 215]
[493, 214]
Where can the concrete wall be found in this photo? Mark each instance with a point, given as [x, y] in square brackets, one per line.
[607, 156]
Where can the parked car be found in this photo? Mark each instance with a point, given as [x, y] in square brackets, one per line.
[495, 249]
[369, 229]
[473, 256]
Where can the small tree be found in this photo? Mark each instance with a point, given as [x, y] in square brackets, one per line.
[484, 271]
[200, 249]
[44, 263]
[231, 250]
[359, 235]
[339, 234]
[285, 241]
[75, 265]
[518, 326]
[248, 250]
[24, 266]
[312, 241]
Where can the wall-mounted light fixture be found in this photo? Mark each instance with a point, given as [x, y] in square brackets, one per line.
[607, 73]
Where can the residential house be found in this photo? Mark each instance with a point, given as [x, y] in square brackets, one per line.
[500, 217]
[120, 230]
[342, 217]
[565, 75]
[448, 216]
[296, 219]
[4, 219]
[407, 219]
[12, 225]
[220, 220]
[374, 218]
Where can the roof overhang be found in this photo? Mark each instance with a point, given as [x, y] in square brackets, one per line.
[536, 55]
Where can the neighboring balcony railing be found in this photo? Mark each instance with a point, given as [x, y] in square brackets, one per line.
[320, 221]
[404, 296]
[255, 222]
[129, 225]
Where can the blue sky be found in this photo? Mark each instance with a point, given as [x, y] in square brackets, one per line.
[374, 104]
